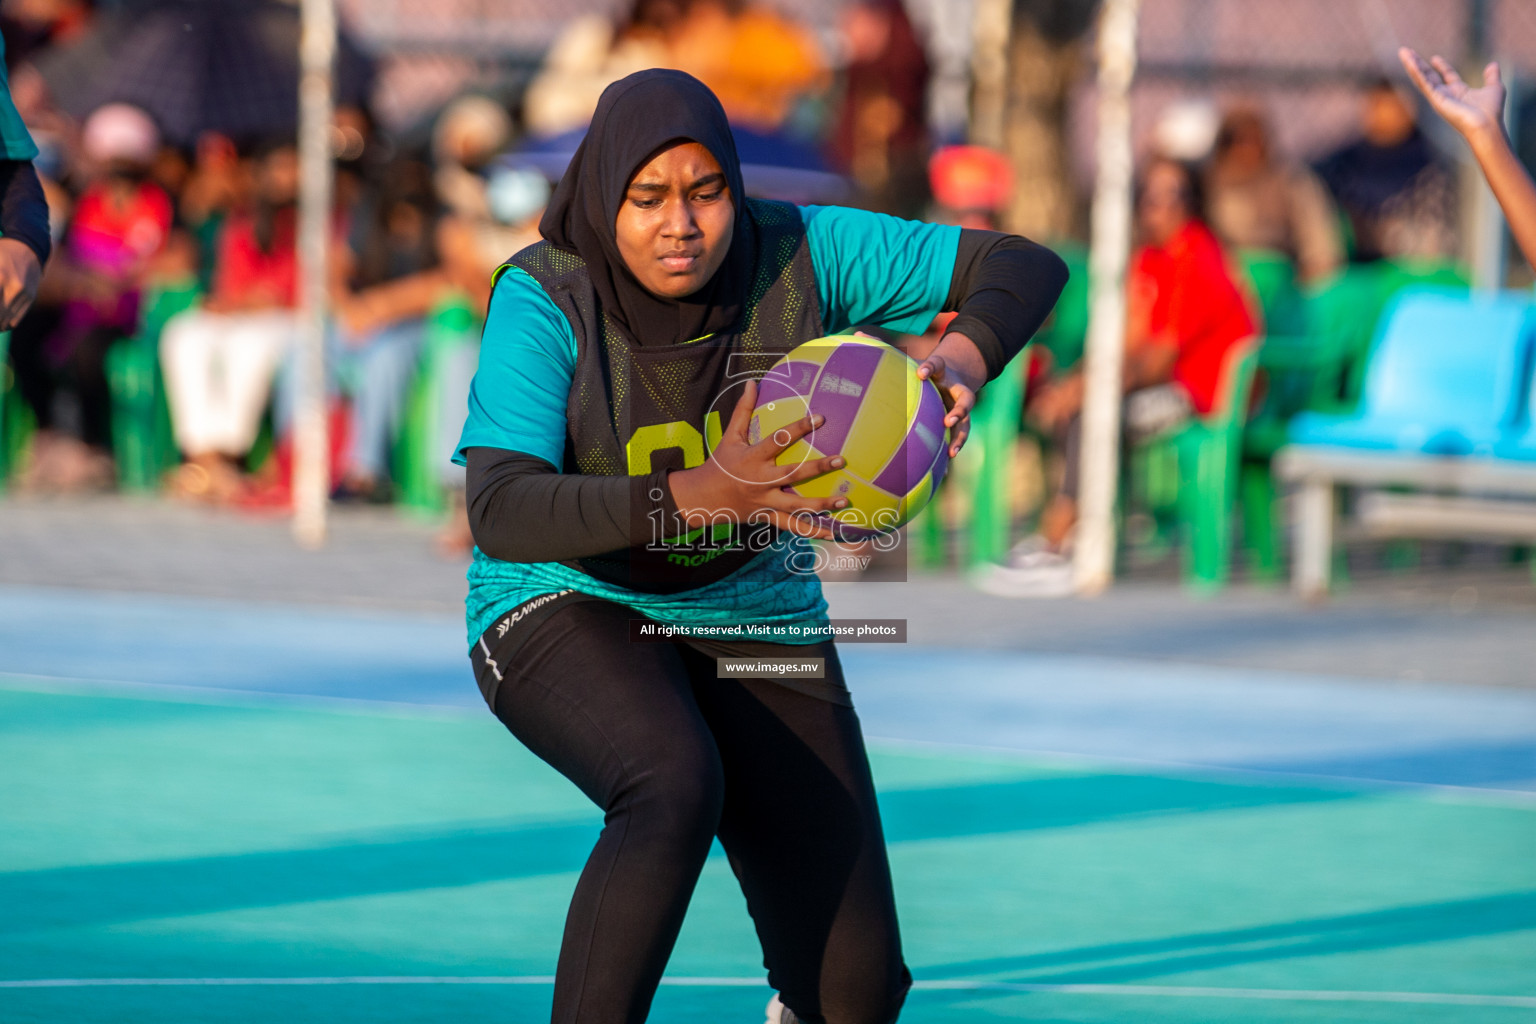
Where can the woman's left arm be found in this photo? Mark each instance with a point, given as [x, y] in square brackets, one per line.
[1003, 288]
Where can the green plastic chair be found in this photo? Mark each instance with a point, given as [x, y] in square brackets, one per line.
[417, 456]
[1341, 316]
[994, 432]
[143, 443]
[1066, 332]
[1210, 458]
[989, 453]
[1192, 474]
[16, 423]
[1272, 276]
[1341, 313]
[1303, 371]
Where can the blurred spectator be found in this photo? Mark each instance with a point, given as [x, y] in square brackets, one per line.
[475, 242]
[49, 127]
[970, 186]
[593, 52]
[756, 61]
[392, 279]
[396, 271]
[1186, 130]
[31, 26]
[219, 360]
[468, 134]
[1185, 315]
[473, 247]
[388, 278]
[879, 136]
[92, 290]
[217, 181]
[361, 153]
[1259, 202]
[1396, 194]
[37, 378]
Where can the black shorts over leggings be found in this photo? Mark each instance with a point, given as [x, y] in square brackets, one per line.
[676, 757]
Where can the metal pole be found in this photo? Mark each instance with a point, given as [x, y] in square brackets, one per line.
[311, 443]
[1094, 558]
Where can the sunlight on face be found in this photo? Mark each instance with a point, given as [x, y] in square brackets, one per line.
[676, 222]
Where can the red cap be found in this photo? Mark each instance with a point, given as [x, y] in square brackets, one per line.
[970, 178]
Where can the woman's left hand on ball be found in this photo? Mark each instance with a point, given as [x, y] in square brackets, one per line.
[957, 368]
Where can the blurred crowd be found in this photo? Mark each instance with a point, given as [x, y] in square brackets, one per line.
[1214, 196]
[187, 247]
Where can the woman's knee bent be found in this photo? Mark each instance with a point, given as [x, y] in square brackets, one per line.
[675, 798]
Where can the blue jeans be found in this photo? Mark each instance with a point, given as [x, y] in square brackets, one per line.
[375, 369]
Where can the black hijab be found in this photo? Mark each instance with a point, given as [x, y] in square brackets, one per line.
[635, 117]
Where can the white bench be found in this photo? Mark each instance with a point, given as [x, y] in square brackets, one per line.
[1460, 498]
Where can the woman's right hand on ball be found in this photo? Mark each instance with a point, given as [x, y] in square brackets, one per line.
[745, 482]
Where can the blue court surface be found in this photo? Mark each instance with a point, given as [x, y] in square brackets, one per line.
[223, 812]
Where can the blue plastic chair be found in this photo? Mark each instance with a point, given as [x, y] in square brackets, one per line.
[1446, 377]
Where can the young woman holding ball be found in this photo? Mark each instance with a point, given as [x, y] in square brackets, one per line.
[610, 406]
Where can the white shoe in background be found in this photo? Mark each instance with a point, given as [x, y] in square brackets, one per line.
[1033, 569]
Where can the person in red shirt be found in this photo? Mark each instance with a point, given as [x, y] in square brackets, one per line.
[1185, 315]
[219, 360]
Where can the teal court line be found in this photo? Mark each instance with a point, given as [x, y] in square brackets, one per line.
[1167, 991]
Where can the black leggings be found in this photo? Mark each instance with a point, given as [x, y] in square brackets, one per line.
[676, 757]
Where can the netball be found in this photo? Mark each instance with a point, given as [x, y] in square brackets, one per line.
[885, 421]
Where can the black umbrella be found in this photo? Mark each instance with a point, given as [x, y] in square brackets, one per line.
[198, 65]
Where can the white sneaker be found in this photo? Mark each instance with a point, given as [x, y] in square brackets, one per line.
[1036, 573]
[1025, 550]
[778, 1013]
